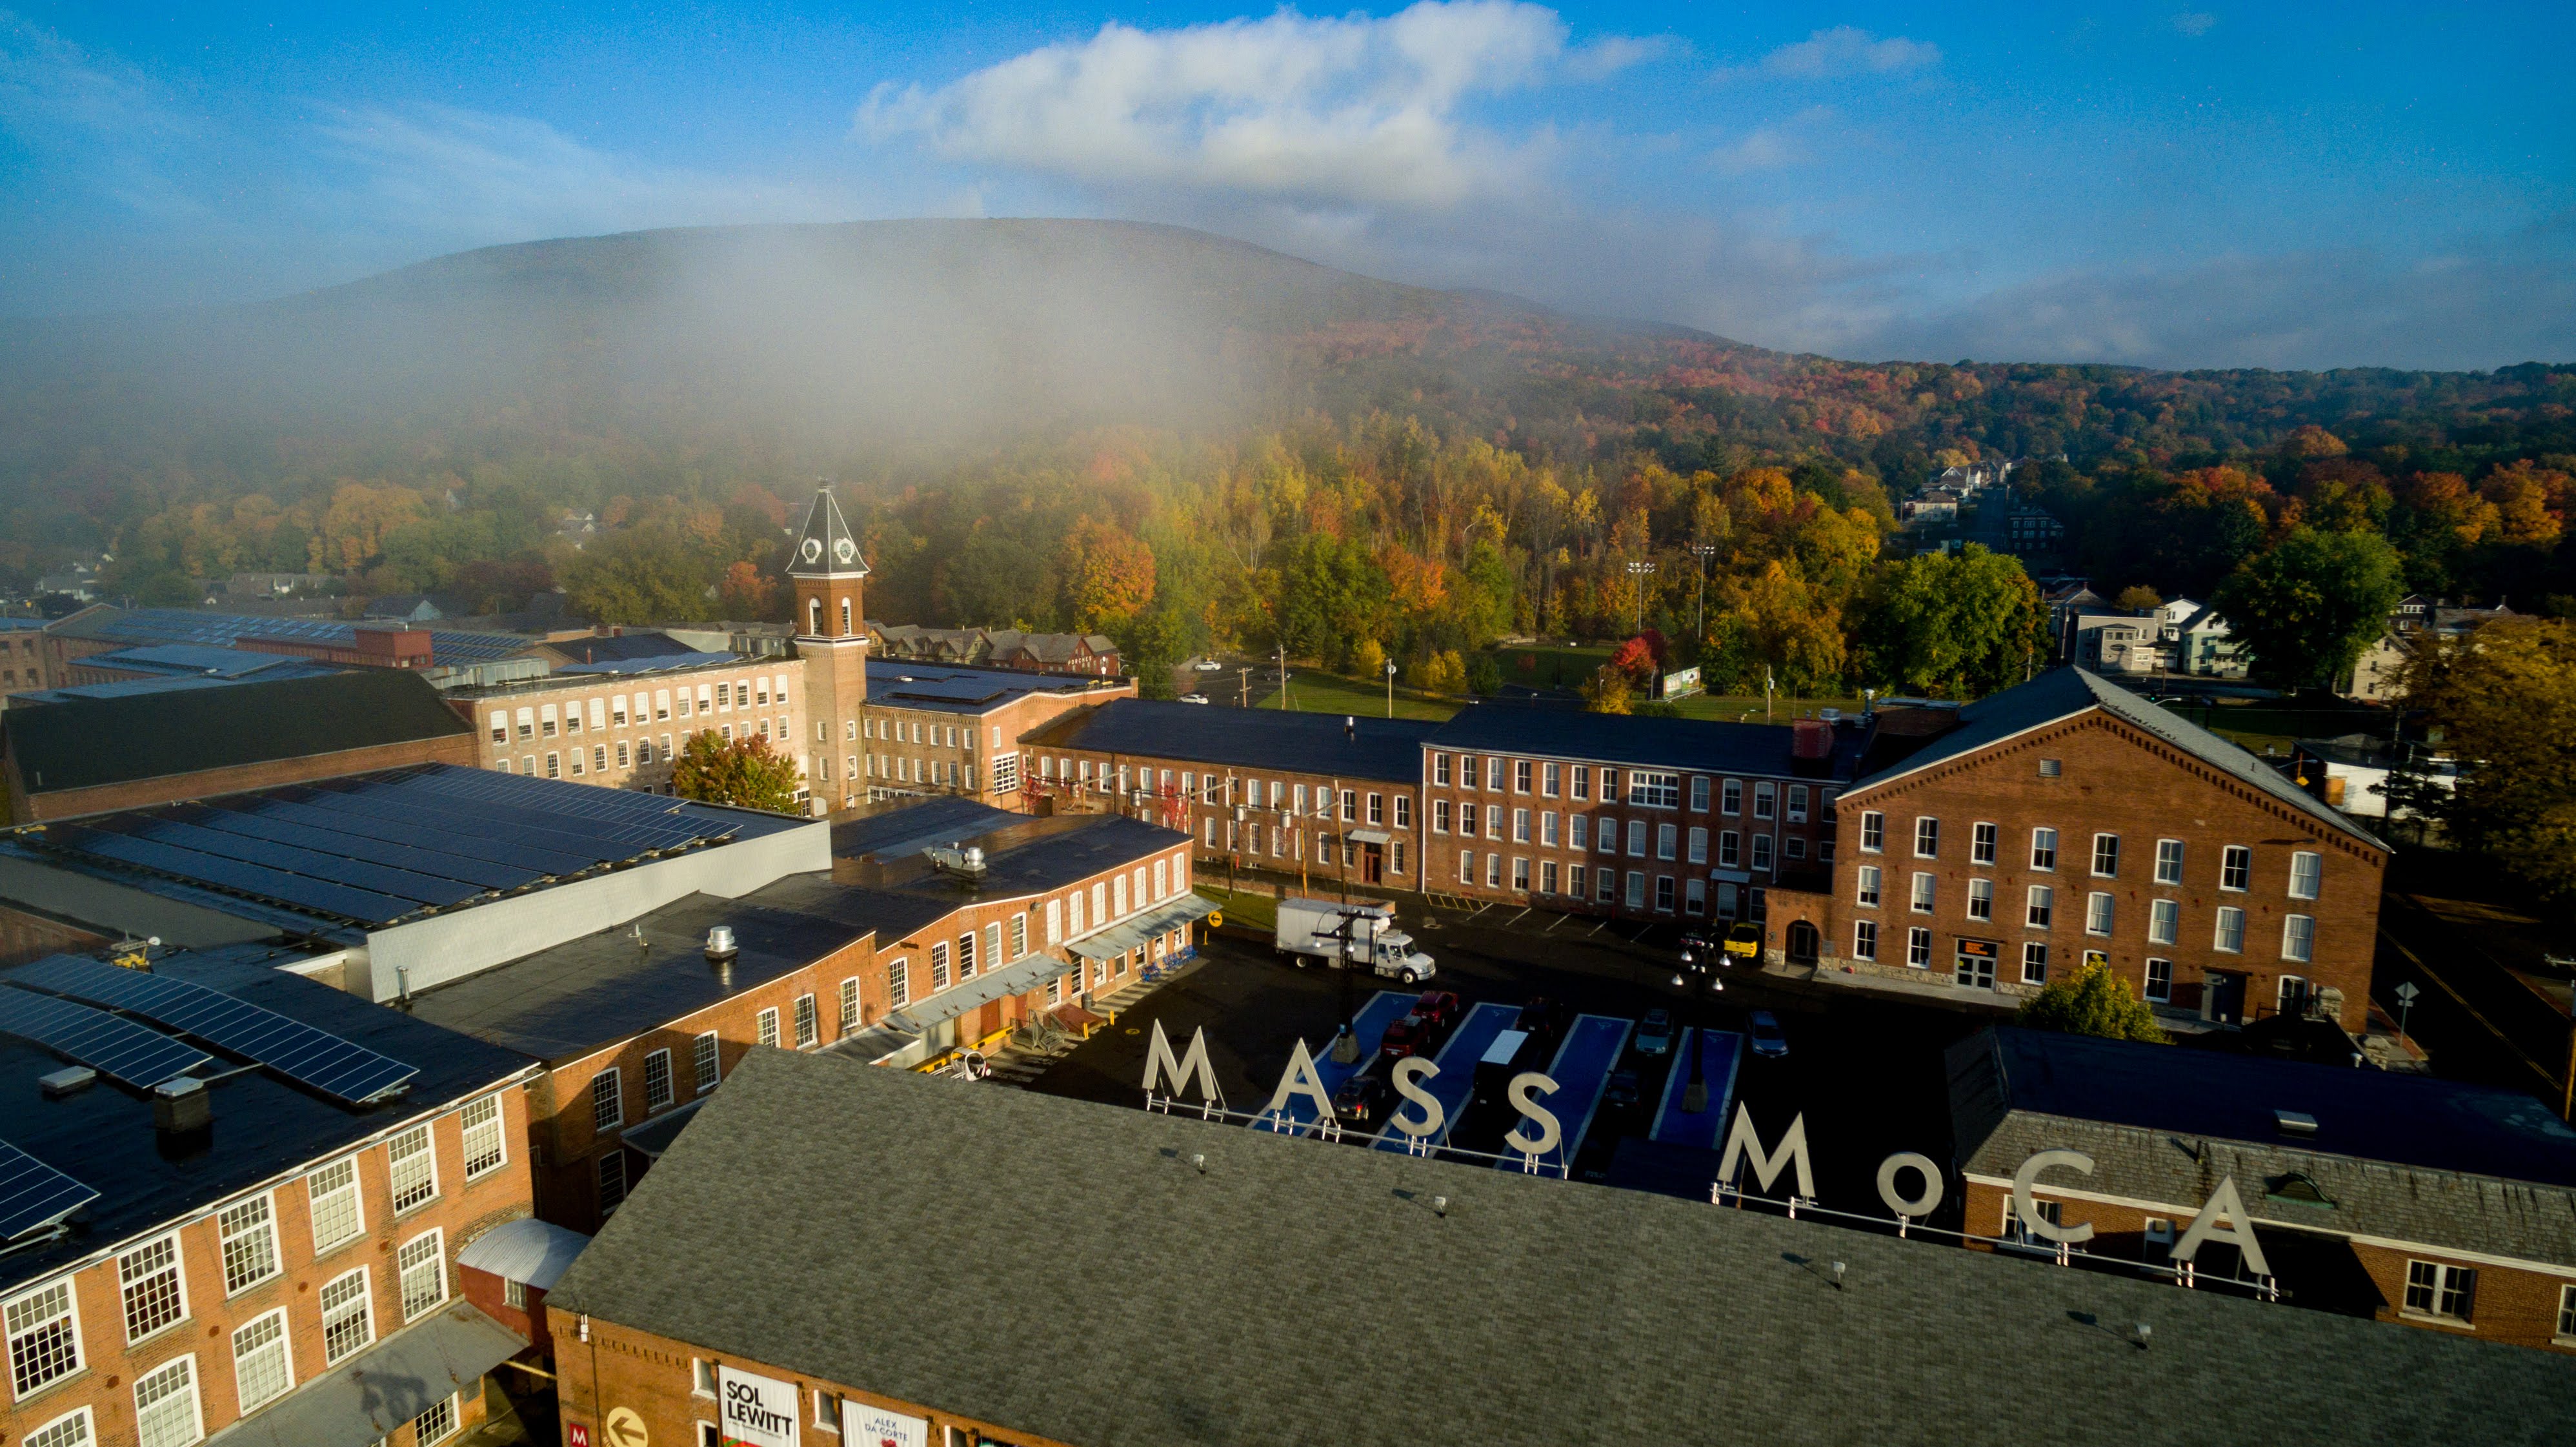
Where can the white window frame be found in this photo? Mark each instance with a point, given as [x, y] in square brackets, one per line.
[397, 1164]
[420, 1434]
[2299, 938]
[2164, 921]
[2039, 907]
[1923, 893]
[1873, 832]
[282, 1343]
[2043, 849]
[1918, 948]
[226, 1232]
[608, 1104]
[2311, 865]
[2155, 993]
[2101, 912]
[1927, 836]
[495, 1120]
[366, 1314]
[184, 1367]
[767, 1023]
[73, 1358]
[809, 1021]
[706, 1061]
[1981, 899]
[1867, 881]
[316, 1195]
[2169, 861]
[169, 1264]
[2220, 931]
[429, 1248]
[2034, 962]
[52, 1434]
[2236, 862]
[658, 1099]
[2440, 1289]
[1865, 939]
[2099, 841]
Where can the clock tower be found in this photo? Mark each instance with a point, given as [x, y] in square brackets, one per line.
[832, 638]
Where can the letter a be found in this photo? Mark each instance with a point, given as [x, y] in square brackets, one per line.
[2238, 1232]
[1300, 1079]
[1742, 1141]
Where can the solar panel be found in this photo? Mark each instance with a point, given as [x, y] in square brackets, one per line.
[327, 867]
[34, 1195]
[276, 886]
[118, 1049]
[320, 809]
[303, 1054]
[428, 861]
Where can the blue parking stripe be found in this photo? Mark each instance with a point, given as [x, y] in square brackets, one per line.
[1674, 1126]
[1369, 1024]
[1457, 1076]
[1581, 1071]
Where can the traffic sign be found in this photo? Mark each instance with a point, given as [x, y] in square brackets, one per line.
[2407, 992]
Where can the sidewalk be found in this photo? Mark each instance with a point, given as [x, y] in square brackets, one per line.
[1940, 990]
[1018, 1064]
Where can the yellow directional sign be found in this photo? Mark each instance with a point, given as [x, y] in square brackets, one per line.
[624, 1429]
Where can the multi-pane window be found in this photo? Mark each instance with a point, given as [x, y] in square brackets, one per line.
[414, 1168]
[899, 975]
[1520, 826]
[72, 1430]
[657, 1080]
[1698, 844]
[809, 1025]
[2436, 1289]
[2106, 856]
[1922, 897]
[261, 1372]
[423, 1261]
[2298, 937]
[2098, 912]
[2043, 904]
[702, 1052]
[1699, 793]
[1440, 770]
[2566, 1312]
[2034, 962]
[1865, 885]
[1918, 948]
[607, 1100]
[2236, 868]
[2160, 980]
[767, 1020]
[1765, 802]
[1403, 811]
[967, 953]
[2229, 936]
[612, 1182]
[338, 1214]
[1981, 843]
[348, 1316]
[1873, 832]
[437, 1424]
[1019, 944]
[1865, 940]
[486, 1145]
[44, 1338]
[1729, 844]
[1636, 838]
[850, 997]
[249, 1232]
[1665, 837]
[1520, 776]
[1927, 838]
[1981, 899]
[154, 1295]
[1762, 851]
[2164, 921]
[2306, 872]
[2043, 849]
[2168, 861]
[165, 1406]
[1730, 796]
[1440, 816]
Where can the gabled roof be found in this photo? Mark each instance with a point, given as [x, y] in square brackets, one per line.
[825, 546]
[2063, 693]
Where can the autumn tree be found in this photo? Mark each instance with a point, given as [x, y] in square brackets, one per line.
[2138, 598]
[1109, 573]
[2092, 1000]
[2304, 610]
[1954, 625]
[1608, 691]
[643, 574]
[744, 772]
[749, 592]
[2504, 697]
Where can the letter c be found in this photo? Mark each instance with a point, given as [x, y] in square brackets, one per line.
[2028, 1209]
[1932, 1184]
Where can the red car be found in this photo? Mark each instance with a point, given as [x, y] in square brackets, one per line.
[1440, 1007]
[1408, 1036]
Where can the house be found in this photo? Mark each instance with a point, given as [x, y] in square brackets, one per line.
[1932, 505]
[77, 581]
[1535, 1310]
[2377, 675]
[2030, 531]
[2065, 597]
[2202, 646]
[2440, 1206]
[2124, 645]
[273, 585]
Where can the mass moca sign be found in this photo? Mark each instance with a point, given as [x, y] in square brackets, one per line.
[2221, 1218]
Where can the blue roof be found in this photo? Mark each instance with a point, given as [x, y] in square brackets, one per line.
[652, 663]
[1303, 743]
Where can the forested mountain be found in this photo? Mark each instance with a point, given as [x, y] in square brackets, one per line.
[1182, 438]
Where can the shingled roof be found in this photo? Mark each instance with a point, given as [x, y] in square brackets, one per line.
[1250, 1300]
[84, 742]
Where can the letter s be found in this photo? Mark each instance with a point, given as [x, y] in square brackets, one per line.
[1408, 1070]
[1524, 1087]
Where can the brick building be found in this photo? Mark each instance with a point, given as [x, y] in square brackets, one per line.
[24, 659]
[830, 579]
[1535, 1310]
[620, 722]
[2402, 1198]
[1637, 817]
[2067, 819]
[91, 755]
[1302, 793]
[929, 730]
[201, 1244]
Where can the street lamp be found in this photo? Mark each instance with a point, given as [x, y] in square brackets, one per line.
[1640, 571]
[1390, 688]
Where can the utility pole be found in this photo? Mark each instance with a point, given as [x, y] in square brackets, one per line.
[1390, 688]
[1283, 677]
[1244, 677]
[1766, 693]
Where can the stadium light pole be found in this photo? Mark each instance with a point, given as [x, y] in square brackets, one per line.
[1699, 607]
[1390, 688]
[1640, 571]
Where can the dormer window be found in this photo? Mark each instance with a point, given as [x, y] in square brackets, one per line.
[2298, 1187]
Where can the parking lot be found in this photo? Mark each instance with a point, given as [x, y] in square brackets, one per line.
[1866, 1074]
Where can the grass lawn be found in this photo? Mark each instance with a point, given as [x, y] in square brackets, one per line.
[1254, 908]
[1310, 692]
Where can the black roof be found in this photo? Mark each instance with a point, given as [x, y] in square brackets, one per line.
[941, 688]
[825, 546]
[103, 1136]
[2401, 1119]
[619, 647]
[85, 742]
[1531, 1310]
[1667, 743]
[1301, 743]
[915, 827]
[1026, 856]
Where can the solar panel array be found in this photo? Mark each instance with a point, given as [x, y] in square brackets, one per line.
[34, 1195]
[375, 849]
[222, 630]
[316, 1058]
[118, 1049]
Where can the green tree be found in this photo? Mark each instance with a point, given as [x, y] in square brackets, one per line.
[1608, 691]
[2505, 700]
[2138, 598]
[645, 574]
[1369, 660]
[2092, 1001]
[1484, 673]
[1954, 625]
[744, 772]
[2304, 610]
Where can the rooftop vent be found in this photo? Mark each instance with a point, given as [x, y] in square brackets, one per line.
[965, 861]
[720, 945]
[69, 1081]
[180, 1105]
[2295, 1122]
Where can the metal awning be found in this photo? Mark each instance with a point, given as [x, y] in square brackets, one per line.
[655, 1136]
[527, 1250]
[1371, 836]
[365, 1398]
[1142, 926]
[1019, 978]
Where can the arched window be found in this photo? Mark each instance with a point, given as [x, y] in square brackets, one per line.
[814, 616]
[845, 617]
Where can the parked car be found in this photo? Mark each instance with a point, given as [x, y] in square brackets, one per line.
[1655, 1033]
[1768, 1042]
[1622, 1095]
[1406, 1037]
[1542, 1017]
[1744, 942]
[1699, 949]
[1363, 1098]
[1440, 1007]
[1208, 665]
[1194, 698]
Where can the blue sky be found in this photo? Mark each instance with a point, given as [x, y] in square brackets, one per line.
[2195, 184]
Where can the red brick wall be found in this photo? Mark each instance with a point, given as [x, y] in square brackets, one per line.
[609, 755]
[2118, 780]
[25, 937]
[455, 749]
[1188, 811]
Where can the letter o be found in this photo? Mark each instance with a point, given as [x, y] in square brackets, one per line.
[1932, 1184]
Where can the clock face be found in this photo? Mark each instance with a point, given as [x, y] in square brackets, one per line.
[845, 550]
[813, 549]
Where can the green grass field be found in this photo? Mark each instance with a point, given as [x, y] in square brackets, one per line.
[1310, 692]
[1246, 907]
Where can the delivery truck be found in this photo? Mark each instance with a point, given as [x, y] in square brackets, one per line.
[1362, 931]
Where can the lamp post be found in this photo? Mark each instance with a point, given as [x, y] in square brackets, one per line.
[1699, 608]
[1641, 571]
[1390, 688]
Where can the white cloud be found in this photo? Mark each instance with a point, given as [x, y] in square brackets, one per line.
[1850, 50]
[1347, 110]
[1768, 148]
[2194, 22]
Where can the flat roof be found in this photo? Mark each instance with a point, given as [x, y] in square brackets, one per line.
[184, 625]
[103, 1136]
[1388, 750]
[1029, 855]
[82, 743]
[1699, 745]
[943, 688]
[1532, 1310]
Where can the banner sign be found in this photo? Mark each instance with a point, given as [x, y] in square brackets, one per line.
[865, 1426]
[754, 1411]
